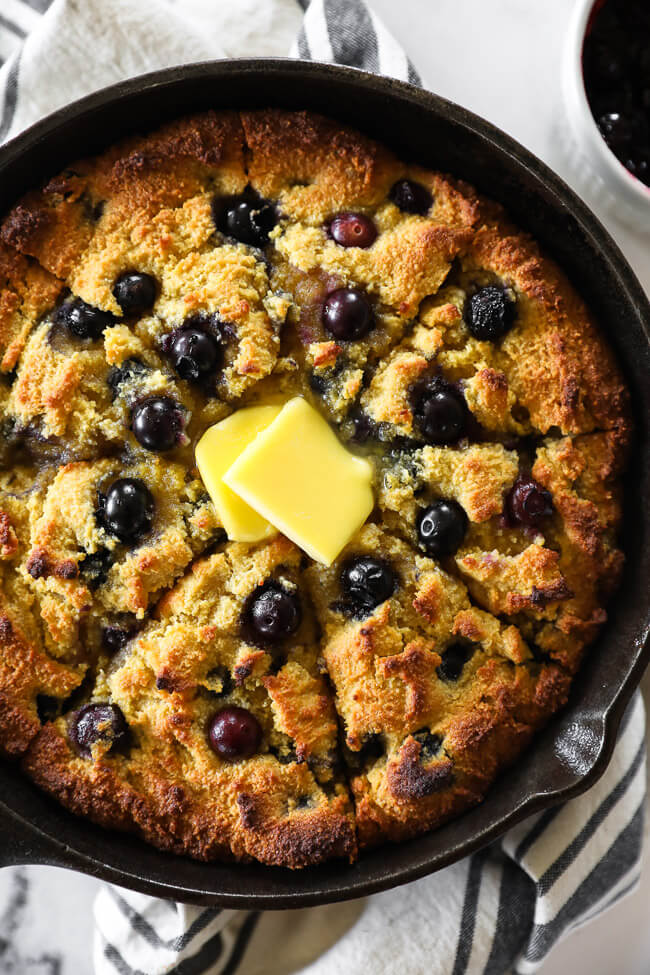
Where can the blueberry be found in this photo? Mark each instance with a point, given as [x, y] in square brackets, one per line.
[247, 217]
[442, 527]
[271, 614]
[348, 314]
[638, 163]
[115, 638]
[372, 749]
[411, 197]
[490, 313]
[98, 722]
[439, 411]
[430, 744]
[234, 733]
[129, 370]
[528, 503]
[623, 130]
[367, 581]
[157, 423]
[352, 230]
[453, 661]
[194, 352]
[135, 292]
[83, 320]
[95, 567]
[128, 509]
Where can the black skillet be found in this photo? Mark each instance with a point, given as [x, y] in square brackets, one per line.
[573, 751]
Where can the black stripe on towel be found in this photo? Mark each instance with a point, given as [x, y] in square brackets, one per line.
[150, 935]
[112, 954]
[564, 861]
[241, 944]
[10, 97]
[207, 955]
[302, 45]
[352, 35]
[514, 918]
[39, 5]
[12, 27]
[468, 919]
[618, 860]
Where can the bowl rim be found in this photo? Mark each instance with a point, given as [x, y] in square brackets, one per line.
[33, 842]
[636, 192]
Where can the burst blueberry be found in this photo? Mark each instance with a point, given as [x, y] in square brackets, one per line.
[95, 723]
[453, 661]
[84, 320]
[247, 217]
[528, 503]
[366, 582]
[490, 313]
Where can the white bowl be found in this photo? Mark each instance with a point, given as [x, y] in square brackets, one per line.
[596, 167]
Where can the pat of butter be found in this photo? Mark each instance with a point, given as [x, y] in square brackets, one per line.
[299, 476]
[219, 446]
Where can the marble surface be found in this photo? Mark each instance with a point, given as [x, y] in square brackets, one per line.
[501, 59]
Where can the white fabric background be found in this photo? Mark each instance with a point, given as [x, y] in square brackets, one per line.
[474, 53]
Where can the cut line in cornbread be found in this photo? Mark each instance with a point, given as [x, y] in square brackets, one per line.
[219, 446]
[298, 476]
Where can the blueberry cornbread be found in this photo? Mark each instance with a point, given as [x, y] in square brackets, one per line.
[173, 665]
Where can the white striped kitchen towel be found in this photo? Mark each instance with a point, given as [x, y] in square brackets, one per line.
[503, 909]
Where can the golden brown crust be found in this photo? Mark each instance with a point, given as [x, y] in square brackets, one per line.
[557, 364]
[376, 723]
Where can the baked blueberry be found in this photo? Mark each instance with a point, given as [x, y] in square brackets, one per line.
[490, 313]
[528, 503]
[195, 353]
[352, 230]
[453, 660]
[442, 527]
[157, 423]
[135, 292]
[84, 320]
[638, 163]
[95, 567]
[271, 614]
[98, 722]
[234, 733]
[130, 370]
[430, 744]
[128, 509]
[622, 130]
[373, 748]
[411, 197]
[247, 217]
[440, 411]
[115, 638]
[367, 581]
[348, 314]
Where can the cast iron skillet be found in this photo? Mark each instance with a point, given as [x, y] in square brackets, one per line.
[575, 748]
